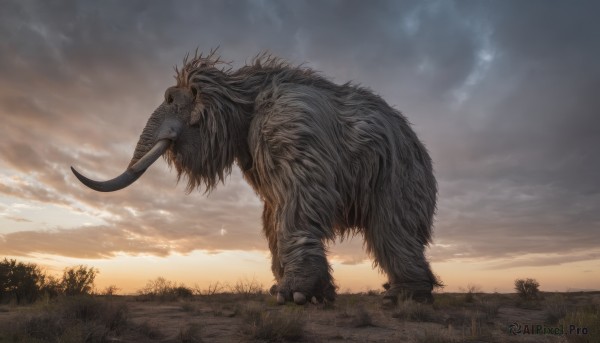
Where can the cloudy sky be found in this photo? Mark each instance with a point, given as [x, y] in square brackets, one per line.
[504, 94]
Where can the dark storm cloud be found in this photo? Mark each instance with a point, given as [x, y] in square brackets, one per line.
[504, 94]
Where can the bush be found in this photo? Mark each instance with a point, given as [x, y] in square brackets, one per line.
[471, 292]
[26, 282]
[247, 287]
[163, 289]
[20, 282]
[52, 287]
[213, 288]
[527, 288]
[111, 290]
[183, 292]
[78, 280]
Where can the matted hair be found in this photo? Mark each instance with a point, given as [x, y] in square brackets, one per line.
[330, 159]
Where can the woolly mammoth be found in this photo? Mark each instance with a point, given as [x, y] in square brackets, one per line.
[327, 160]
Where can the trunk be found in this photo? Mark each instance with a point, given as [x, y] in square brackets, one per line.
[155, 139]
[149, 136]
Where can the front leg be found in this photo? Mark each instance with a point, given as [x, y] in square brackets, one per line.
[306, 270]
[270, 231]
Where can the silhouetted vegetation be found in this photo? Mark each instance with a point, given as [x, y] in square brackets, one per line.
[20, 282]
[78, 280]
[527, 288]
[227, 311]
[164, 290]
[471, 293]
[24, 283]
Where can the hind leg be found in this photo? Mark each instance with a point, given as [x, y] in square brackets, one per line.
[402, 257]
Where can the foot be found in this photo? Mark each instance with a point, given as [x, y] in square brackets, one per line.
[303, 290]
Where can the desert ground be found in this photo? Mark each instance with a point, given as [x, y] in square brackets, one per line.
[252, 317]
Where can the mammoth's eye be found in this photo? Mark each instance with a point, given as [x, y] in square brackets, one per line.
[194, 91]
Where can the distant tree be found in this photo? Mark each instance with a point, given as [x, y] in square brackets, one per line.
[111, 290]
[78, 280]
[4, 277]
[164, 289]
[182, 291]
[527, 288]
[21, 282]
[52, 286]
[158, 287]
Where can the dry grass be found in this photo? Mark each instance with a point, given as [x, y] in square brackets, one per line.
[71, 319]
[191, 334]
[227, 317]
[361, 318]
[587, 317]
[273, 326]
[489, 307]
[435, 337]
[415, 312]
[246, 287]
[556, 308]
[148, 330]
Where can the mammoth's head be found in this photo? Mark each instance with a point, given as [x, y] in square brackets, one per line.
[196, 128]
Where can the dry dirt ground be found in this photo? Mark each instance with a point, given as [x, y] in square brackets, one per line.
[256, 318]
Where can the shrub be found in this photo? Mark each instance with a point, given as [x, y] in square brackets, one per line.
[78, 280]
[158, 287]
[247, 287]
[52, 287]
[20, 282]
[111, 290]
[26, 282]
[471, 292]
[165, 290]
[527, 288]
[212, 289]
[183, 292]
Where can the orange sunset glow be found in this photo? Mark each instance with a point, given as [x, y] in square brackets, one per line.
[505, 100]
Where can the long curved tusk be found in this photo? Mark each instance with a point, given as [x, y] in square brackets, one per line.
[151, 156]
[131, 174]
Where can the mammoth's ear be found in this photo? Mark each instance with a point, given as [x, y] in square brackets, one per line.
[196, 114]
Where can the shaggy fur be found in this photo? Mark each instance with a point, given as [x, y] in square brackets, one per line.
[327, 160]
